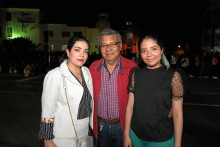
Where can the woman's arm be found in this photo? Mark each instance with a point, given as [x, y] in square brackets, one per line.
[128, 115]
[48, 101]
[177, 108]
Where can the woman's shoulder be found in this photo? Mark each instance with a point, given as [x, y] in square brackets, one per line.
[85, 70]
[136, 71]
[53, 71]
[53, 74]
[180, 75]
[177, 71]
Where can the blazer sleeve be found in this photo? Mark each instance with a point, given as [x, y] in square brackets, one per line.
[50, 94]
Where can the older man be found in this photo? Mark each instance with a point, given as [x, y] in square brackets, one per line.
[110, 80]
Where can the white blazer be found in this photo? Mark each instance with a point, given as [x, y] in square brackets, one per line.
[54, 104]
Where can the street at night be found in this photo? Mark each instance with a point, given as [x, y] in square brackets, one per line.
[20, 110]
[34, 35]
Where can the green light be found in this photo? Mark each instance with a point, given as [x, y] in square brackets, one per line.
[14, 35]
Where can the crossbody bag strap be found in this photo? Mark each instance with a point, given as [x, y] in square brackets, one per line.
[64, 86]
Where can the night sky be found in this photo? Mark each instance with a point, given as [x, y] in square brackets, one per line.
[176, 21]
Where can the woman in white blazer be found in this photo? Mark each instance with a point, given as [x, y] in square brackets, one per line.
[56, 127]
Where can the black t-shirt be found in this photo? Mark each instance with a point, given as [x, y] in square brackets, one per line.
[153, 93]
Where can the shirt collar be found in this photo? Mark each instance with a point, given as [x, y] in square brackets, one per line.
[119, 63]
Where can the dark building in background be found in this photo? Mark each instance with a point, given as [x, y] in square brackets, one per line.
[211, 27]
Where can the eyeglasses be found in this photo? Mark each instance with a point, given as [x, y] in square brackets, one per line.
[104, 46]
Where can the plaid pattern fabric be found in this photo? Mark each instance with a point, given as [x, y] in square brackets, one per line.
[108, 105]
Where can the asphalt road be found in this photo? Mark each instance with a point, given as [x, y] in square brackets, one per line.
[20, 109]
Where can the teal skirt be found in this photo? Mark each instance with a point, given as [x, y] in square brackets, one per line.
[137, 142]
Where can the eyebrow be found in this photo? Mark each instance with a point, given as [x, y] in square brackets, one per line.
[77, 47]
[150, 47]
[155, 46]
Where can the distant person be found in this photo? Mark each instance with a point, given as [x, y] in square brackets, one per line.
[184, 64]
[110, 75]
[63, 109]
[155, 92]
[27, 69]
[10, 70]
[214, 69]
[196, 65]
[173, 61]
[202, 63]
[15, 69]
[33, 70]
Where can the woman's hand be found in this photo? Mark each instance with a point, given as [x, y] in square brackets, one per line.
[127, 141]
[49, 143]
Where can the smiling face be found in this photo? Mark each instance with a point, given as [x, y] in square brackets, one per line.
[78, 54]
[151, 53]
[110, 48]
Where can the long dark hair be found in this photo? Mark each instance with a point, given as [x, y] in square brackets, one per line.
[154, 37]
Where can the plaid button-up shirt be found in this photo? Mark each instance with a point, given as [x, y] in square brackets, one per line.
[108, 105]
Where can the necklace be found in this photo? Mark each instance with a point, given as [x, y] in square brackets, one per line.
[79, 74]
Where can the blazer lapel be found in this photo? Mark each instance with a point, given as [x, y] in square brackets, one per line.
[65, 71]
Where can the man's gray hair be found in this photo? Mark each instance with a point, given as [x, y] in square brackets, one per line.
[109, 32]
